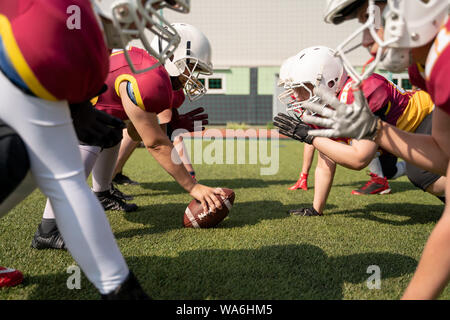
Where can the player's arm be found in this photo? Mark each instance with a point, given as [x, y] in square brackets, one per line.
[358, 121]
[356, 156]
[160, 147]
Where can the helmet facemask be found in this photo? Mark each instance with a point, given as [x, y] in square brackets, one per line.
[189, 70]
[372, 25]
[130, 19]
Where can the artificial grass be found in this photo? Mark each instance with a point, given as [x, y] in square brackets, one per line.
[258, 252]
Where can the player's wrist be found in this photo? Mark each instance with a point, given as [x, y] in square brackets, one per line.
[375, 130]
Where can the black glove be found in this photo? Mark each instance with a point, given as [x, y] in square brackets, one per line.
[95, 127]
[186, 121]
[305, 212]
[293, 128]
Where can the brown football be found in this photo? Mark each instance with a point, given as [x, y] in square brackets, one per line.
[194, 217]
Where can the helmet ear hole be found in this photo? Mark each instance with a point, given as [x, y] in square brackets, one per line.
[331, 83]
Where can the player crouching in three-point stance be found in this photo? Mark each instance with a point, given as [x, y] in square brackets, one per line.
[415, 34]
[144, 101]
[318, 67]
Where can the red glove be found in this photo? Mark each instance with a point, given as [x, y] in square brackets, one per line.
[186, 121]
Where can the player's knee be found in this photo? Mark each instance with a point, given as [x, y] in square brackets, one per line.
[14, 161]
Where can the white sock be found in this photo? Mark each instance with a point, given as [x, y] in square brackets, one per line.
[375, 167]
[104, 169]
[401, 169]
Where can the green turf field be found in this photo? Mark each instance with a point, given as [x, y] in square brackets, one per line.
[258, 252]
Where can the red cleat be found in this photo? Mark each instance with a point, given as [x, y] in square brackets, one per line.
[10, 277]
[376, 185]
[302, 183]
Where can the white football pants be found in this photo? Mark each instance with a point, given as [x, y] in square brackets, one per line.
[47, 131]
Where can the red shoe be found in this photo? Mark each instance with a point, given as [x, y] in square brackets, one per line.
[376, 185]
[302, 183]
[10, 277]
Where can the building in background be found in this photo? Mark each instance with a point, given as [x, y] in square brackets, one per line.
[250, 39]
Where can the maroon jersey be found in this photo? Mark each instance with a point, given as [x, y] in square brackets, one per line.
[43, 51]
[385, 99]
[178, 98]
[437, 69]
[151, 91]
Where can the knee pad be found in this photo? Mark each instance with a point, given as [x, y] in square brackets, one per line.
[14, 161]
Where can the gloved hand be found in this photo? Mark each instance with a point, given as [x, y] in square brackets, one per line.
[94, 127]
[293, 128]
[186, 121]
[354, 120]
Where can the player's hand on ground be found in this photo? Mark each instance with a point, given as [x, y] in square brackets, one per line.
[95, 127]
[293, 128]
[354, 120]
[209, 197]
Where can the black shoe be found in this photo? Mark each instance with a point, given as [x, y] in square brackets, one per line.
[51, 240]
[119, 194]
[130, 289]
[111, 202]
[306, 212]
[123, 179]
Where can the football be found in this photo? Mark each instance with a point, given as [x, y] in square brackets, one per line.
[194, 217]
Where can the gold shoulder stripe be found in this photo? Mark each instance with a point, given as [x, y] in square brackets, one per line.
[20, 64]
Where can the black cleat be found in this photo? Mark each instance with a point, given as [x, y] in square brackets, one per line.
[306, 212]
[51, 240]
[111, 202]
[123, 179]
[130, 289]
[119, 194]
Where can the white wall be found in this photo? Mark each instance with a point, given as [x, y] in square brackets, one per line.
[264, 32]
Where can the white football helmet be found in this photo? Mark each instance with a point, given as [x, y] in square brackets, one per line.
[284, 71]
[317, 66]
[190, 59]
[128, 19]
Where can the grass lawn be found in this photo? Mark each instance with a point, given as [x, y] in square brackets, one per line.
[258, 252]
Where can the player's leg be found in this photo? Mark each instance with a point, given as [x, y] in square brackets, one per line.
[425, 180]
[16, 182]
[380, 168]
[323, 180]
[47, 235]
[47, 131]
[127, 148]
[308, 156]
[102, 181]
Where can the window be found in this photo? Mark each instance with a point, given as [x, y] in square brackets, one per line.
[215, 83]
[406, 84]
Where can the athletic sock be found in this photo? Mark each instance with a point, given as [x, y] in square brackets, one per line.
[375, 167]
[48, 225]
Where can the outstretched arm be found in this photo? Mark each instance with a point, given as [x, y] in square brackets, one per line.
[358, 121]
[161, 148]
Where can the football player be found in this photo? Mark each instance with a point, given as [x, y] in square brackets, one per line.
[415, 33]
[308, 150]
[40, 83]
[318, 67]
[183, 84]
[144, 101]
